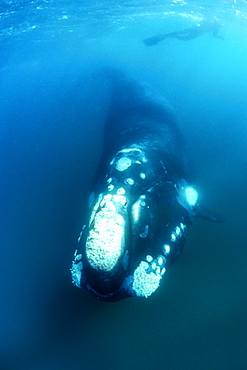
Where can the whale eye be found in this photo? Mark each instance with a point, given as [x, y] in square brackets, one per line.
[136, 152]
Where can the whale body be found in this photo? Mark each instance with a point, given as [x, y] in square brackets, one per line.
[143, 200]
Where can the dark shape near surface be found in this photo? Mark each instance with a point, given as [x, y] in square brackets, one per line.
[143, 201]
[190, 33]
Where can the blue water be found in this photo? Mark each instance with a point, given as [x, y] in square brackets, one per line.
[51, 119]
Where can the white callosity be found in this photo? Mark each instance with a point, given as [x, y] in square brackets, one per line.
[120, 200]
[147, 276]
[111, 187]
[173, 237]
[167, 248]
[123, 163]
[76, 270]
[129, 156]
[81, 233]
[129, 181]
[104, 242]
[178, 232]
[120, 191]
[149, 258]
[145, 283]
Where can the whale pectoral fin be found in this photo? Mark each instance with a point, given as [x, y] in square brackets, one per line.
[207, 214]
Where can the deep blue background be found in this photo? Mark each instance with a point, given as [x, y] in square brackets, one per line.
[52, 111]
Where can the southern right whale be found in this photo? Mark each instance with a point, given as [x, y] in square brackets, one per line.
[143, 201]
